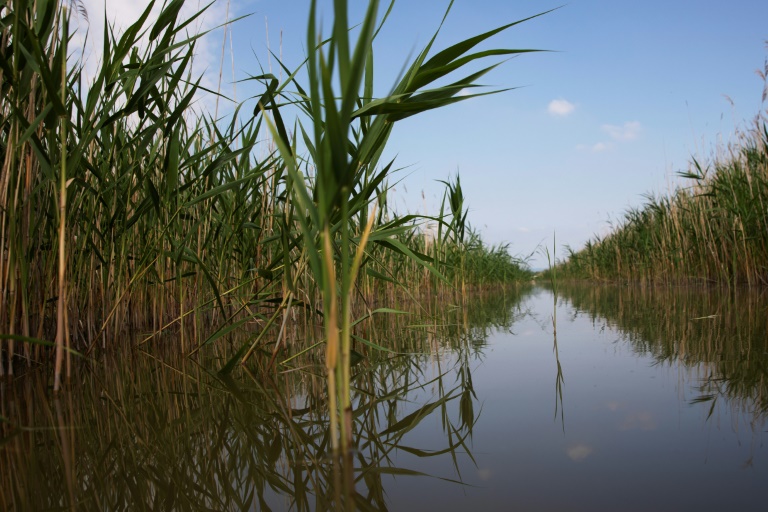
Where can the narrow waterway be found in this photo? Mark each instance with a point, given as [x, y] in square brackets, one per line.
[604, 398]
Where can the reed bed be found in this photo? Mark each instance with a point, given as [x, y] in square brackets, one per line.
[712, 229]
[129, 218]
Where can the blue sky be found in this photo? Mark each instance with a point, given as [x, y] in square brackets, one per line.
[628, 93]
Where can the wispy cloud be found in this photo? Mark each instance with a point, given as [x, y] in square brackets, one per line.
[628, 131]
[560, 107]
[120, 14]
[598, 147]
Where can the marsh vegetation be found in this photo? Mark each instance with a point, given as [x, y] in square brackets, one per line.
[229, 314]
[712, 229]
[128, 215]
[131, 220]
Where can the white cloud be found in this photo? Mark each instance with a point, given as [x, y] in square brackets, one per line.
[628, 131]
[560, 107]
[594, 148]
[121, 14]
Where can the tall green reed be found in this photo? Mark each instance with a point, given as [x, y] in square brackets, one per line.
[348, 131]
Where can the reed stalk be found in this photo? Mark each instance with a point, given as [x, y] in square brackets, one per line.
[61, 330]
[347, 135]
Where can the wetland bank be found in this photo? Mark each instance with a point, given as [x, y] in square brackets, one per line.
[188, 325]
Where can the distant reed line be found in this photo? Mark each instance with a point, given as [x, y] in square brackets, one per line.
[712, 229]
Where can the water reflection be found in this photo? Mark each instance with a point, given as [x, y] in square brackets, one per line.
[662, 392]
[720, 338]
[150, 431]
[580, 451]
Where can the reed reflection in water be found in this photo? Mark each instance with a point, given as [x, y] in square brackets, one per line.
[719, 338]
[148, 430]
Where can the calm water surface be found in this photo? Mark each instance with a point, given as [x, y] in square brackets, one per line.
[604, 399]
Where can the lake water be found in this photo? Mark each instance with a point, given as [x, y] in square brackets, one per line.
[607, 398]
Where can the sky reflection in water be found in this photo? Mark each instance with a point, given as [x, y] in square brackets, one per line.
[650, 419]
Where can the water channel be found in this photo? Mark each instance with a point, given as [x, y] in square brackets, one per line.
[602, 398]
